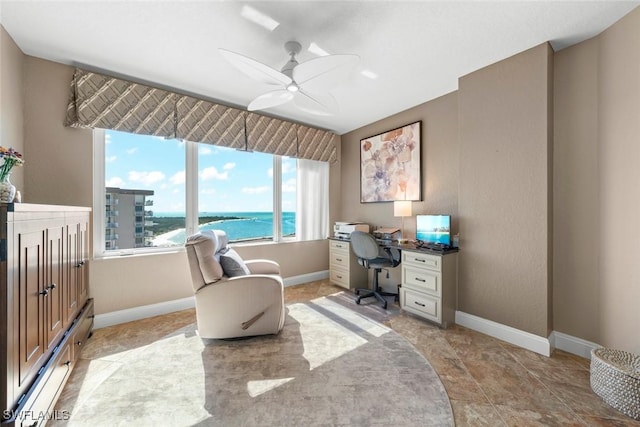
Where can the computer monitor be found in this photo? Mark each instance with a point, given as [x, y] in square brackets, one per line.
[434, 229]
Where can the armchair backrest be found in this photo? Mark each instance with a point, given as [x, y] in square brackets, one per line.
[203, 252]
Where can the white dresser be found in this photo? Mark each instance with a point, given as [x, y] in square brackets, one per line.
[344, 269]
[429, 285]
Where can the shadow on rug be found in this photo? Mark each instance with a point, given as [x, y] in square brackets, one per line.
[330, 365]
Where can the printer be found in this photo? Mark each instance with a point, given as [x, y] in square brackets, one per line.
[343, 230]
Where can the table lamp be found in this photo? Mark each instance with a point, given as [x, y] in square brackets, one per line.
[402, 208]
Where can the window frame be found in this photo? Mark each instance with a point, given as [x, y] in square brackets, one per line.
[191, 202]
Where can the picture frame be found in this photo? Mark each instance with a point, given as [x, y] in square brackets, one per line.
[390, 165]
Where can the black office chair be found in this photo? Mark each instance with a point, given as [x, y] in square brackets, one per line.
[371, 255]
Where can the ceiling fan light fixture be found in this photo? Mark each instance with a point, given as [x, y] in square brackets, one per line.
[293, 87]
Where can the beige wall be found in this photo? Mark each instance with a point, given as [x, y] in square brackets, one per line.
[60, 171]
[505, 179]
[439, 170]
[576, 197]
[597, 196]
[11, 101]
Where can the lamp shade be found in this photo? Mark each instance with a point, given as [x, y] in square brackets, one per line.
[402, 208]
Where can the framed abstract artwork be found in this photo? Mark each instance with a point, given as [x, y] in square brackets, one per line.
[390, 165]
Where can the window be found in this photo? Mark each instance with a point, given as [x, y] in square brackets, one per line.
[152, 192]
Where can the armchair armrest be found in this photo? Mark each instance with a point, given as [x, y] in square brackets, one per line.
[262, 266]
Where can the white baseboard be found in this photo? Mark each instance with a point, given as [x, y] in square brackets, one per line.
[511, 335]
[306, 278]
[142, 312]
[573, 345]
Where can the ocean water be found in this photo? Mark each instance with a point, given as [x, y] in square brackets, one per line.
[434, 237]
[253, 225]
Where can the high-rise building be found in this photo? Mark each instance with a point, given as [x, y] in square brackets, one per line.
[128, 222]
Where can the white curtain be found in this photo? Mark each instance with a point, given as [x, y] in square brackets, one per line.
[312, 217]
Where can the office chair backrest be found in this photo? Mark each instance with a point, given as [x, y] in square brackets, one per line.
[364, 245]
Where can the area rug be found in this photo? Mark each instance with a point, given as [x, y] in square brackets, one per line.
[329, 366]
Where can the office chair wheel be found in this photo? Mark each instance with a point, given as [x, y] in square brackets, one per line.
[358, 300]
[384, 306]
[357, 292]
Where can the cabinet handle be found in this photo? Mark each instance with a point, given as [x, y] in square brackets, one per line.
[419, 260]
[80, 264]
[420, 304]
[44, 292]
[67, 363]
[338, 276]
[339, 259]
[420, 280]
[52, 286]
[79, 343]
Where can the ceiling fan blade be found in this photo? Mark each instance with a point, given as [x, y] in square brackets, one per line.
[315, 103]
[254, 69]
[321, 74]
[270, 99]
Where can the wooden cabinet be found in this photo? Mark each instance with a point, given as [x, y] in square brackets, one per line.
[429, 285]
[45, 304]
[344, 269]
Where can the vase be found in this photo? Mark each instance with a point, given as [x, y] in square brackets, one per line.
[7, 190]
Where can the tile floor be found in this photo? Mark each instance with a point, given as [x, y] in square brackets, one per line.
[493, 383]
[489, 382]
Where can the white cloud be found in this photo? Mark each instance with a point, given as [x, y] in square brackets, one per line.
[208, 191]
[229, 166]
[110, 159]
[212, 173]
[255, 190]
[132, 150]
[288, 166]
[107, 138]
[204, 150]
[289, 186]
[146, 178]
[270, 172]
[178, 178]
[114, 182]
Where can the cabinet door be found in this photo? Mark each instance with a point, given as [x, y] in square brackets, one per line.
[31, 300]
[71, 274]
[54, 279]
[83, 256]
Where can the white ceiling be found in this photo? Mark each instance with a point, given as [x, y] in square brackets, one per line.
[418, 49]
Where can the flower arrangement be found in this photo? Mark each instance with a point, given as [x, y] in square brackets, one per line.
[11, 158]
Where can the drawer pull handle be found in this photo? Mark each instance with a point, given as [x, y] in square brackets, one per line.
[67, 363]
[339, 259]
[419, 260]
[338, 276]
[420, 280]
[420, 304]
[339, 246]
[44, 292]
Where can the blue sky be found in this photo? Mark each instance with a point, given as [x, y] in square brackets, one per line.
[228, 180]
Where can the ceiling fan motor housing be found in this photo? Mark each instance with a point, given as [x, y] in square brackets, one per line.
[293, 48]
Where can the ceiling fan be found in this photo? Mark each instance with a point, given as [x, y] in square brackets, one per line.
[306, 84]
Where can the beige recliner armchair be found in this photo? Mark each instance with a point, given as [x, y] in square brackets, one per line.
[247, 304]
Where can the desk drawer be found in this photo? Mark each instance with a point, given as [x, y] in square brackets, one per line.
[338, 259]
[339, 277]
[421, 305]
[432, 262]
[338, 246]
[422, 280]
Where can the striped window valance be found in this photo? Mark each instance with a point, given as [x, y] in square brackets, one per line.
[101, 101]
